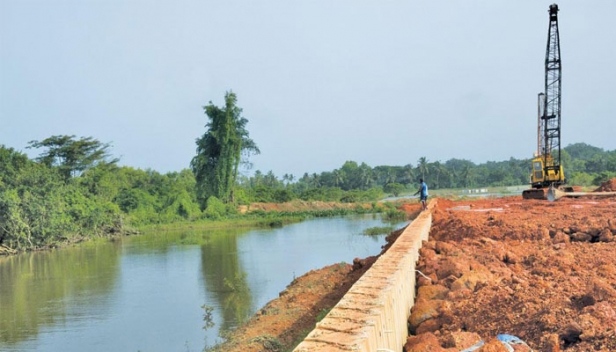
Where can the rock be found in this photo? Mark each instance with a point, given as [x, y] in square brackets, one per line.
[358, 263]
[601, 290]
[543, 234]
[428, 244]
[470, 280]
[493, 345]
[452, 266]
[427, 342]
[511, 258]
[552, 343]
[561, 237]
[612, 225]
[433, 292]
[427, 254]
[424, 310]
[603, 311]
[571, 333]
[445, 248]
[591, 327]
[459, 295]
[448, 280]
[460, 339]
[606, 236]
[581, 237]
[430, 325]
[422, 281]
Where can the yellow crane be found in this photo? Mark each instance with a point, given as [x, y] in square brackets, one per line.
[547, 169]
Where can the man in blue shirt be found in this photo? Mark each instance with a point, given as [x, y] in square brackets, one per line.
[423, 193]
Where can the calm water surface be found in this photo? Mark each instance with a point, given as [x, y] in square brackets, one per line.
[146, 293]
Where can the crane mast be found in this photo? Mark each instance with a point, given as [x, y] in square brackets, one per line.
[550, 118]
[546, 166]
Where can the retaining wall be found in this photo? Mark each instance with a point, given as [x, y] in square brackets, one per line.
[373, 315]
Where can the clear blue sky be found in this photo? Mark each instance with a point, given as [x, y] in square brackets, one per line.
[321, 82]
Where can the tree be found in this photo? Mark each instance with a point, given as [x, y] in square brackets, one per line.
[394, 188]
[467, 176]
[422, 165]
[220, 151]
[72, 156]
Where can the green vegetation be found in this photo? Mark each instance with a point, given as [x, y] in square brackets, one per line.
[72, 156]
[75, 190]
[219, 151]
[382, 230]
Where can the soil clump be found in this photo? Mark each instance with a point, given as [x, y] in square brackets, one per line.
[607, 186]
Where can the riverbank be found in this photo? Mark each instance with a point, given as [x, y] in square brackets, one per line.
[284, 322]
[256, 215]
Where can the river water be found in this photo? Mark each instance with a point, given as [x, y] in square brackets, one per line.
[147, 293]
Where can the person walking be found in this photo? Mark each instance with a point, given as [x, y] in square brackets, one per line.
[423, 193]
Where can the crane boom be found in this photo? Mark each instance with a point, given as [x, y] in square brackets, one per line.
[552, 102]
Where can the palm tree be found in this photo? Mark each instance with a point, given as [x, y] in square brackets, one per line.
[338, 177]
[467, 176]
[365, 176]
[288, 178]
[422, 165]
[315, 181]
[409, 174]
[437, 170]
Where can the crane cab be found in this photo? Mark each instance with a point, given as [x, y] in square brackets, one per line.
[545, 173]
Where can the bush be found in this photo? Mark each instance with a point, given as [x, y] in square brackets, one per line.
[394, 188]
[215, 208]
[283, 195]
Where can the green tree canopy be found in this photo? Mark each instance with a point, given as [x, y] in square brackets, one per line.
[220, 151]
[72, 156]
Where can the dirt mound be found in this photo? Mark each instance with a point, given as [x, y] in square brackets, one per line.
[607, 186]
[541, 271]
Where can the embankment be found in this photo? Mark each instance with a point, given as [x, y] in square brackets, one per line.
[373, 315]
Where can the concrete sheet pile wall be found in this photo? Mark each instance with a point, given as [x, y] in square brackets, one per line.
[373, 315]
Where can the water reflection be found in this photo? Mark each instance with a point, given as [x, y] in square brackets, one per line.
[47, 288]
[225, 279]
[146, 292]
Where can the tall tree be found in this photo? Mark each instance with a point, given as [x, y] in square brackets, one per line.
[72, 156]
[220, 151]
[422, 165]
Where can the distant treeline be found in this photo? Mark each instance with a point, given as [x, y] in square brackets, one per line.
[584, 165]
[68, 194]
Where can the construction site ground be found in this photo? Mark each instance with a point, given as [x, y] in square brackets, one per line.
[542, 271]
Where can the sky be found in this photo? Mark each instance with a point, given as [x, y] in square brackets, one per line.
[320, 82]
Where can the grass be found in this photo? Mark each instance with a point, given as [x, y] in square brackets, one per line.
[255, 219]
[322, 314]
[269, 343]
[379, 230]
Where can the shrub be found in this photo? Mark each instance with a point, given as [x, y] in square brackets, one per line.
[215, 208]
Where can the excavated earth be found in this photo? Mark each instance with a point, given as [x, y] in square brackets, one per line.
[544, 272]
